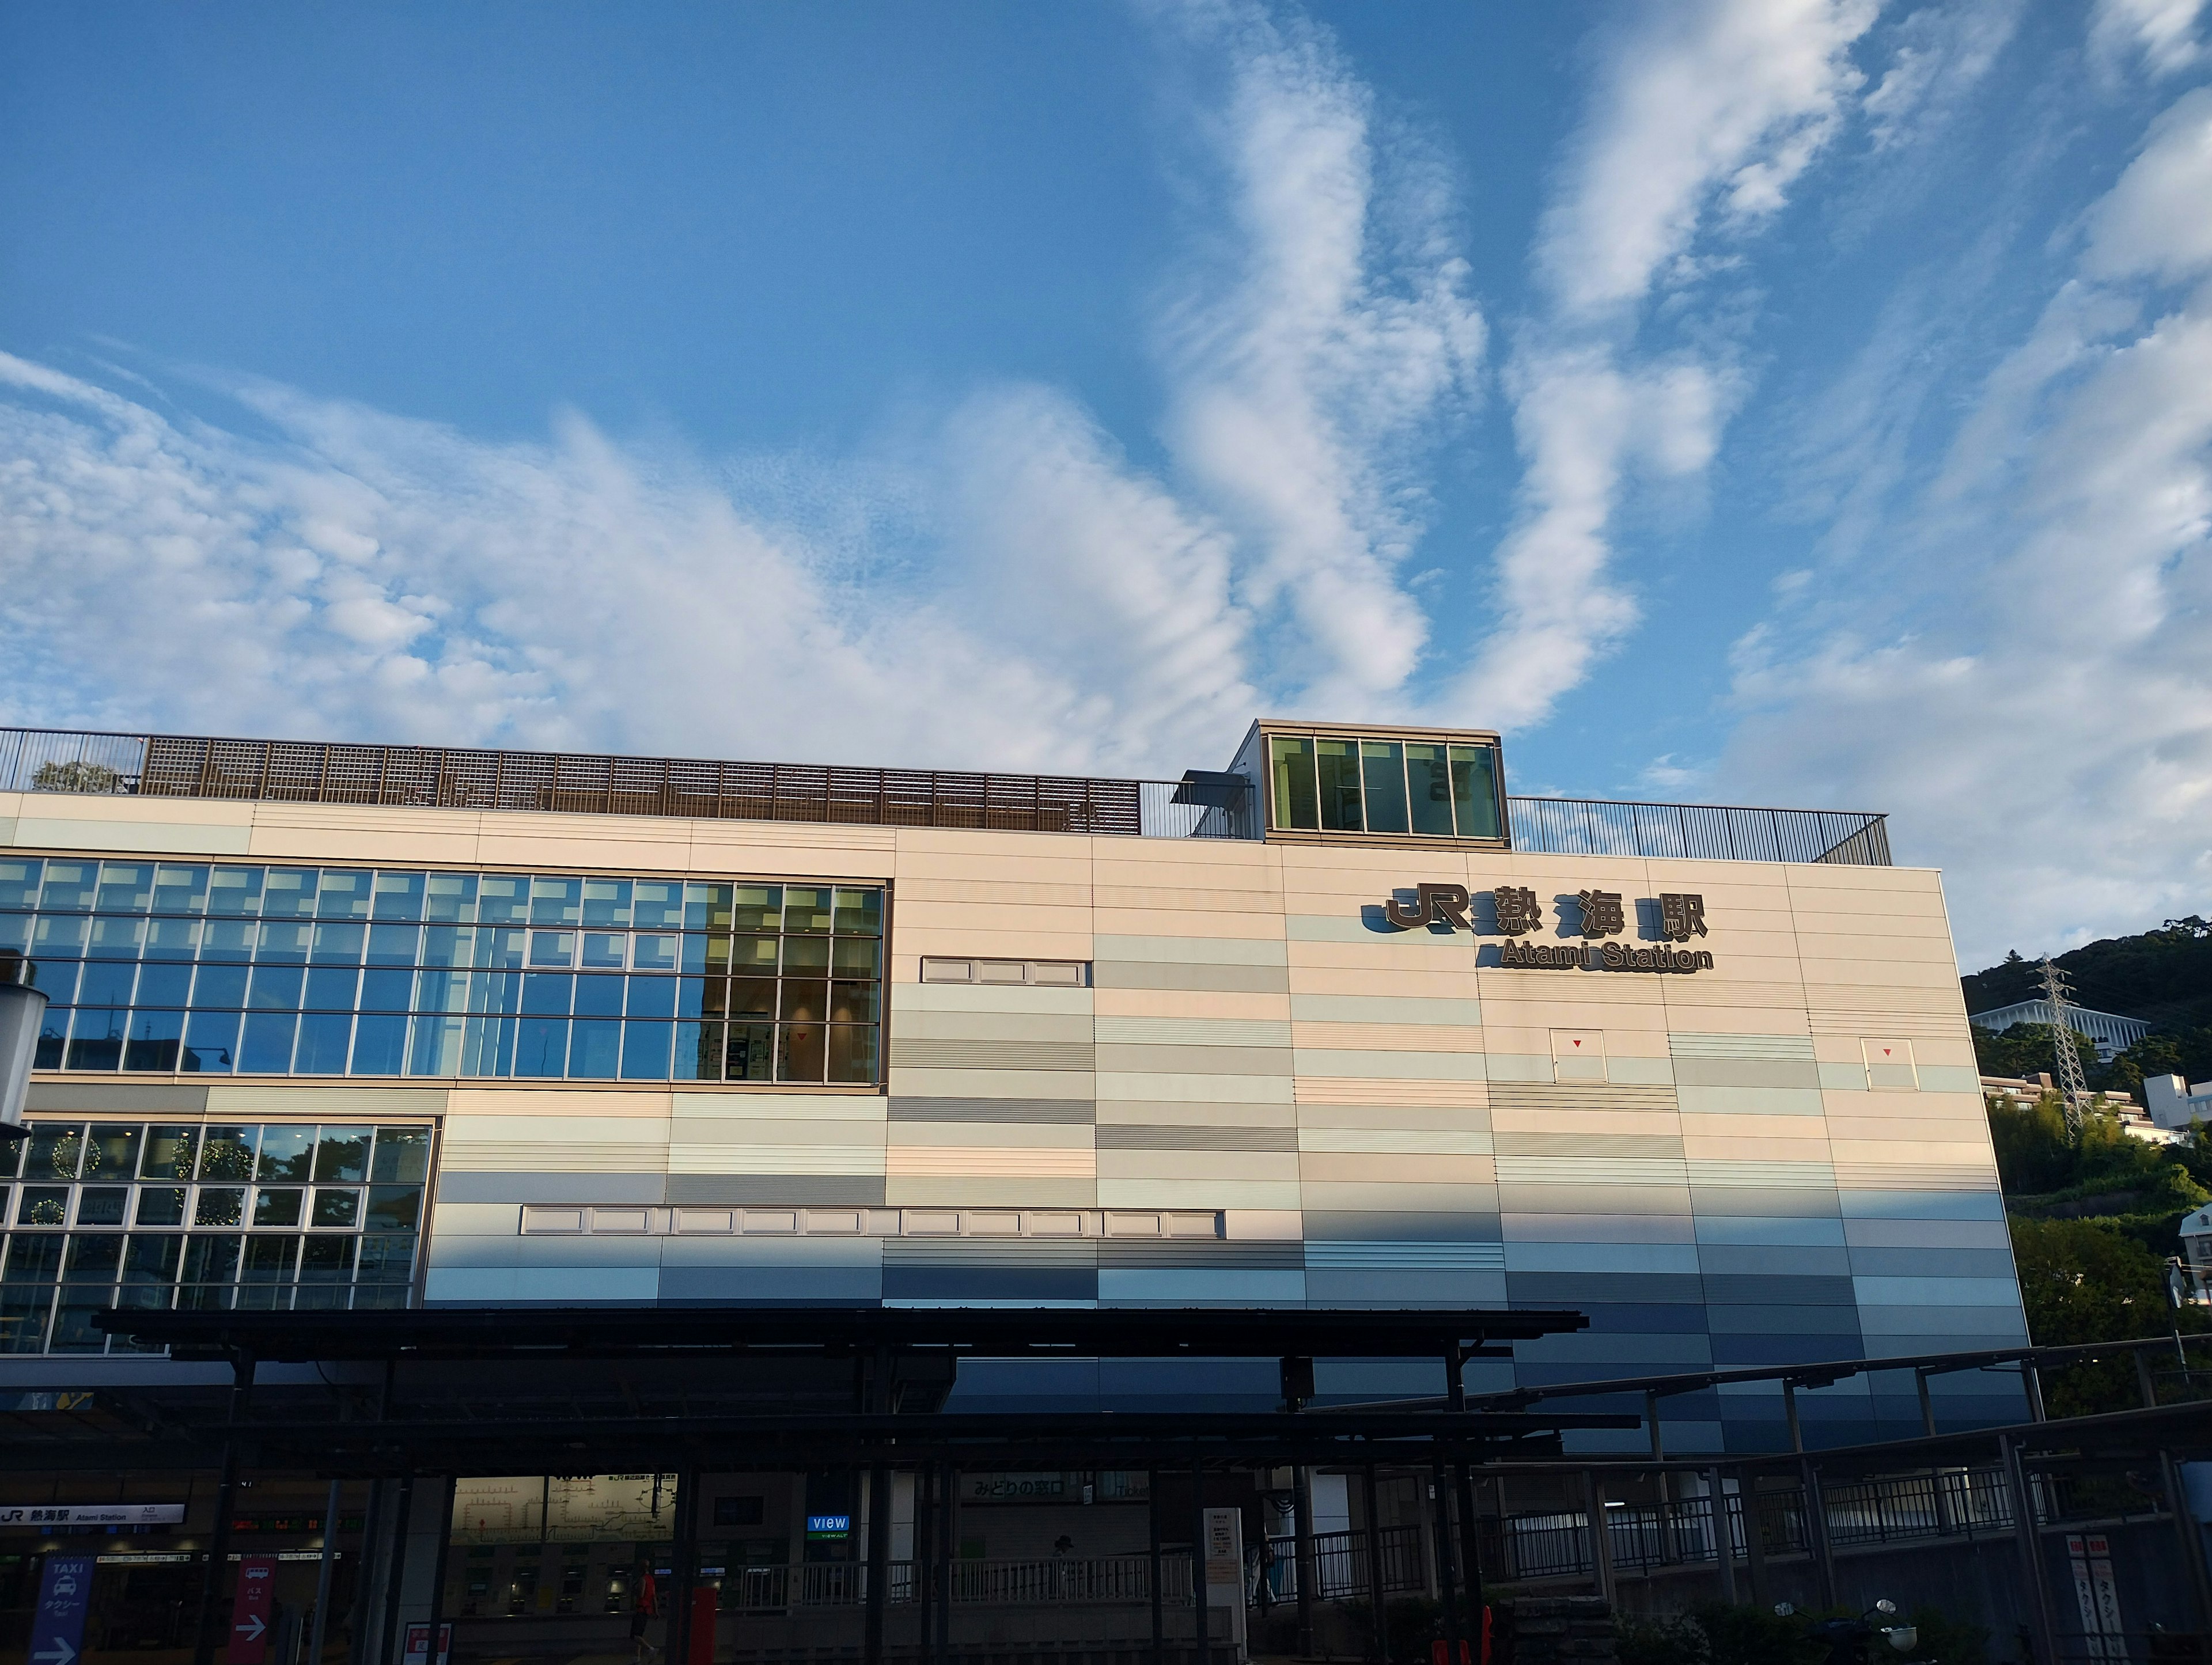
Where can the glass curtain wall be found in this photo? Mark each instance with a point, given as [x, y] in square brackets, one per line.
[1391, 787]
[175, 968]
[274, 1215]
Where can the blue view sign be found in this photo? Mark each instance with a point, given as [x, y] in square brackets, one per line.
[64, 1597]
[829, 1526]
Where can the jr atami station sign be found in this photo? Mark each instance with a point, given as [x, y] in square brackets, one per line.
[1600, 916]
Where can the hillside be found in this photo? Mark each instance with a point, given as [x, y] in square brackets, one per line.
[2162, 977]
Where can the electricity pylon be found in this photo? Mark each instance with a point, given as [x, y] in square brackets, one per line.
[2071, 1084]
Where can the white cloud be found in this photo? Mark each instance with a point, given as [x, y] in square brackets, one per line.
[2038, 713]
[2162, 33]
[1701, 121]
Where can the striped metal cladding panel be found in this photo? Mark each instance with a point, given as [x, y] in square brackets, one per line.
[1469, 1256]
[1690, 1045]
[1154, 1136]
[918, 1052]
[1052, 1112]
[1580, 1096]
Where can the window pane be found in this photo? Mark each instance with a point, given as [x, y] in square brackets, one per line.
[1290, 761]
[125, 887]
[102, 1204]
[387, 1259]
[343, 895]
[289, 893]
[73, 1331]
[861, 912]
[19, 882]
[541, 1046]
[168, 1153]
[1383, 773]
[1428, 777]
[211, 1042]
[752, 997]
[399, 896]
[547, 995]
[227, 1153]
[326, 1259]
[1337, 763]
[394, 1207]
[43, 1205]
[657, 905]
[645, 1051]
[105, 984]
[277, 1207]
[442, 944]
[325, 1042]
[220, 1204]
[805, 957]
[652, 953]
[555, 901]
[652, 997]
[165, 985]
[155, 1042]
[606, 901]
[807, 909]
[96, 1039]
[335, 1208]
[804, 1002]
[24, 1314]
[342, 1155]
[755, 955]
[399, 944]
[116, 939]
[56, 1150]
[853, 1003]
[234, 891]
[380, 1045]
[111, 1152]
[219, 987]
[604, 950]
[34, 1258]
[266, 1047]
[698, 1055]
[595, 1049]
[751, 1053]
[330, 989]
[1474, 792]
[758, 907]
[502, 899]
[283, 942]
[450, 897]
[487, 1047]
[599, 997]
[269, 1260]
[153, 1258]
[499, 949]
[179, 890]
[59, 979]
[210, 1259]
[172, 938]
[228, 941]
[391, 991]
[338, 945]
[160, 1204]
[556, 948]
[707, 907]
[852, 1052]
[286, 1153]
[59, 938]
[799, 1053]
[857, 958]
[402, 1153]
[435, 1046]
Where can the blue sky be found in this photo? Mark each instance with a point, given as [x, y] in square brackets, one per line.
[1799, 401]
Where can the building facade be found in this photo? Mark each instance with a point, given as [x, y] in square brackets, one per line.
[1341, 1025]
[2111, 1033]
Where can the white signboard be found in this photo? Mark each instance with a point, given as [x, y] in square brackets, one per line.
[92, 1514]
[587, 1509]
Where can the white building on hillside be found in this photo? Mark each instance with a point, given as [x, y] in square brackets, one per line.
[2172, 1104]
[2112, 1032]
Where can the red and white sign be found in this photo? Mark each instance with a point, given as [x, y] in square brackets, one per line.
[418, 1651]
[254, 1610]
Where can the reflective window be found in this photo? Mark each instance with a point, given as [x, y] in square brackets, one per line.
[274, 1215]
[159, 968]
[1384, 786]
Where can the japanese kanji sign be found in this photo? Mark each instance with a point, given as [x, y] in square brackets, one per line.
[1595, 916]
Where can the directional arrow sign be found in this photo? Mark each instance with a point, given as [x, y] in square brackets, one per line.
[64, 1598]
[251, 1612]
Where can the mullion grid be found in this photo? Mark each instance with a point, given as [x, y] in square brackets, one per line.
[258, 1025]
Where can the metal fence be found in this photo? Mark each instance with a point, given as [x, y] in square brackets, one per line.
[1341, 1564]
[1704, 832]
[1060, 1581]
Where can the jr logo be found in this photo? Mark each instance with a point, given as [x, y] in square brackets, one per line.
[1433, 904]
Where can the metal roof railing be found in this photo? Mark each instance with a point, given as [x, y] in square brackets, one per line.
[1202, 806]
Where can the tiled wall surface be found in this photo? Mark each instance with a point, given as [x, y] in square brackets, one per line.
[1781, 1158]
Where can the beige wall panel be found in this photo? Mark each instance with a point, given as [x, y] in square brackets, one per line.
[1196, 1193]
[1192, 1031]
[1383, 1168]
[1226, 925]
[1600, 990]
[698, 1110]
[1970, 1153]
[1232, 1061]
[853, 1135]
[548, 1156]
[1890, 1129]
[1385, 1038]
[1391, 1065]
[1457, 985]
[1594, 1124]
[147, 837]
[329, 1103]
[1010, 1134]
[1190, 1089]
[1389, 1012]
[1700, 1147]
[909, 1024]
[1640, 1038]
[1275, 1167]
[1411, 1118]
[1591, 1170]
[1262, 1225]
[1544, 1197]
[1955, 1051]
[990, 1084]
[1115, 1113]
[929, 898]
[1361, 1197]
[1192, 864]
[839, 1160]
[477, 1219]
[1367, 953]
[1154, 899]
[1523, 1018]
[922, 926]
[948, 877]
[1187, 948]
[1349, 1090]
[999, 998]
[121, 809]
[1191, 1003]
[1763, 1018]
[508, 1101]
[1840, 1049]
[1725, 1127]
[1390, 1141]
[993, 1161]
[973, 1191]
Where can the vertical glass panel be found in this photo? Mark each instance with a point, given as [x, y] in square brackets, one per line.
[435, 1046]
[234, 891]
[227, 1153]
[805, 957]
[327, 1259]
[44, 1205]
[387, 1259]
[19, 882]
[853, 1003]
[172, 938]
[595, 1049]
[861, 912]
[752, 997]
[502, 899]
[651, 997]
[269, 1260]
[602, 950]
[161, 1205]
[858, 958]
[287, 1154]
[24, 1314]
[325, 1043]
[112, 1150]
[1337, 764]
[274, 1206]
[501, 950]
[55, 1150]
[343, 893]
[102, 1204]
[69, 886]
[35, 1259]
[228, 941]
[179, 890]
[1290, 765]
[106, 984]
[656, 952]
[657, 904]
[266, 1046]
[758, 906]
[394, 1207]
[807, 909]
[210, 1259]
[336, 1208]
[397, 897]
[165, 985]
[708, 907]
[60, 938]
[598, 997]
[283, 943]
[450, 897]
[380, 1045]
[396, 945]
[220, 1204]
[330, 989]
[853, 1052]
[547, 995]
[800, 1050]
[434, 991]
[553, 948]
[289, 893]
[442, 944]
[275, 988]
[645, 1051]
[402, 1155]
[154, 1041]
[606, 901]
[1474, 791]
[496, 991]
[338, 945]
[211, 1042]
[168, 1153]
[96, 1039]
[555, 900]
[220, 987]
[751, 1053]
[541, 1046]
[116, 939]
[1383, 773]
[125, 887]
[487, 1047]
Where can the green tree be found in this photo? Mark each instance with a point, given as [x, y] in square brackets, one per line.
[2083, 1282]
